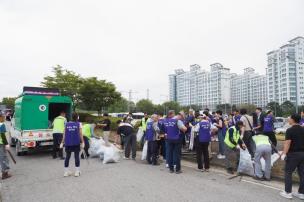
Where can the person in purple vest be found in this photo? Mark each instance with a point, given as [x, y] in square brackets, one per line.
[302, 118]
[152, 136]
[268, 128]
[173, 128]
[72, 141]
[236, 117]
[203, 129]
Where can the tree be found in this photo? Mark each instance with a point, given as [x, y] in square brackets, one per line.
[145, 105]
[98, 94]
[121, 105]
[287, 108]
[9, 102]
[171, 105]
[275, 107]
[68, 83]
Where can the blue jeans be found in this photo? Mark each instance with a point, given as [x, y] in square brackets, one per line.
[221, 138]
[174, 154]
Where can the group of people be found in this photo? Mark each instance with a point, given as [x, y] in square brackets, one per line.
[238, 131]
[74, 137]
[166, 136]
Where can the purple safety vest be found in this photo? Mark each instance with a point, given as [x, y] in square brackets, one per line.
[204, 131]
[72, 137]
[171, 129]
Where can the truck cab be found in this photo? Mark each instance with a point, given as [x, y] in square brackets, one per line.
[35, 111]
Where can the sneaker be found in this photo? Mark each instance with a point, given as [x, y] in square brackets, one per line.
[286, 195]
[179, 172]
[258, 178]
[167, 165]
[126, 158]
[206, 170]
[77, 173]
[298, 195]
[200, 170]
[67, 174]
[171, 171]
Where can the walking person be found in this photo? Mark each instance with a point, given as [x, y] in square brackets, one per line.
[87, 132]
[58, 130]
[268, 128]
[127, 131]
[72, 141]
[263, 149]
[173, 126]
[248, 127]
[4, 147]
[203, 128]
[234, 143]
[293, 154]
[220, 134]
[152, 136]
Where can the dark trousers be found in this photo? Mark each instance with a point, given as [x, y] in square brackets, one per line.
[69, 150]
[86, 146]
[202, 152]
[294, 160]
[57, 139]
[174, 154]
[130, 144]
[272, 137]
[247, 139]
[152, 152]
[162, 146]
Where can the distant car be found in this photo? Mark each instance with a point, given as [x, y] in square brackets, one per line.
[279, 122]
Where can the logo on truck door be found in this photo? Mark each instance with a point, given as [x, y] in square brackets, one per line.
[42, 108]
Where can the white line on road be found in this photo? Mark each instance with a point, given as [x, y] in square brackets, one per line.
[263, 185]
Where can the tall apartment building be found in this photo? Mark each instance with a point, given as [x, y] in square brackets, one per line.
[285, 73]
[249, 88]
[200, 87]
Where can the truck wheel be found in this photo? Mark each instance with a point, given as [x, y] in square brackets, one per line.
[18, 149]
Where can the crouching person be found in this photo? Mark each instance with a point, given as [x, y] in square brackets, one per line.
[126, 130]
[263, 150]
[152, 135]
[233, 143]
[87, 132]
[3, 148]
[203, 129]
[72, 140]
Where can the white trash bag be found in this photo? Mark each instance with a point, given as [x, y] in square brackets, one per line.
[96, 147]
[144, 151]
[139, 134]
[245, 164]
[111, 154]
[192, 136]
[274, 158]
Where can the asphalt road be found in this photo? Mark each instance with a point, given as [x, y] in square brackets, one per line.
[37, 177]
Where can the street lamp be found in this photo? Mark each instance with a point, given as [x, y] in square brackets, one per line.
[294, 59]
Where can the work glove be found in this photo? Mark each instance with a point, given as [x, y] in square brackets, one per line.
[238, 147]
[7, 147]
[283, 157]
[82, 145]
[61, 145]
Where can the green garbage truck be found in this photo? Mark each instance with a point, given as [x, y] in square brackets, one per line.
[35, 110]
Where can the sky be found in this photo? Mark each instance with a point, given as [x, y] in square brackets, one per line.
[136, 44]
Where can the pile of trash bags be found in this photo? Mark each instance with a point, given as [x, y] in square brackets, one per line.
[108, 154]
[246, 165]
